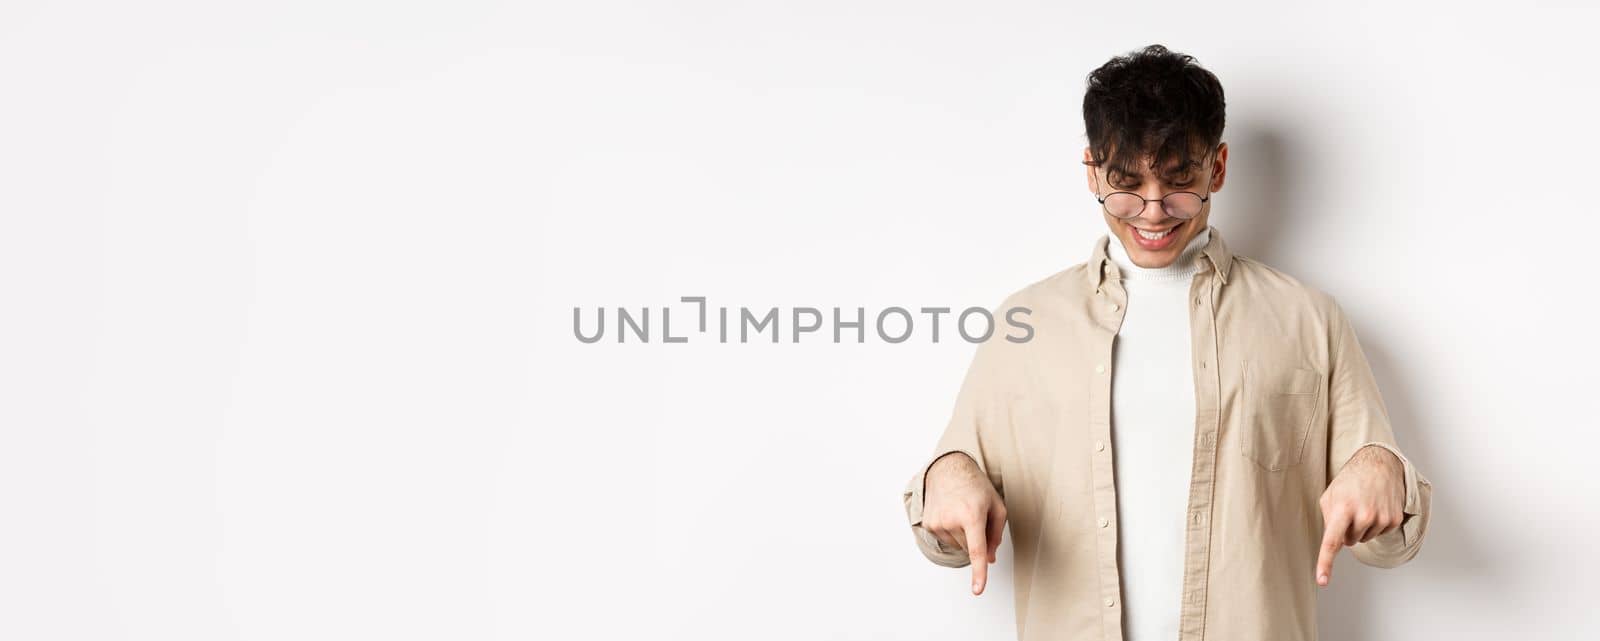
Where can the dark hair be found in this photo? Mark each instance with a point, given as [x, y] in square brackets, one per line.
[1152, 102]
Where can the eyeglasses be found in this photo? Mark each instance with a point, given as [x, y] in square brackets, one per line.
[1182, 205]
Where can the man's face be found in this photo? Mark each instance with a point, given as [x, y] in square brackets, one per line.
[1163, 237]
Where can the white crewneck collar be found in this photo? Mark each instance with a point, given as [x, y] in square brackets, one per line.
[1183, 267]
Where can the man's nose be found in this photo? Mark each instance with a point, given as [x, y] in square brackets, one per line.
[1153, 212]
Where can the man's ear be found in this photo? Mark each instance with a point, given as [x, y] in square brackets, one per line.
[1220, 173]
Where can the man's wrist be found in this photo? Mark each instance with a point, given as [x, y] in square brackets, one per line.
[953, 462]
[1375, 454]
[953, 466]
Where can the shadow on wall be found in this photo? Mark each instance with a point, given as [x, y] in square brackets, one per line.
[1259, 212]
[1259, 186]
[1450, 557]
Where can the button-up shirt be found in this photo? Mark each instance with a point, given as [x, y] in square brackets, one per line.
[1283, 397]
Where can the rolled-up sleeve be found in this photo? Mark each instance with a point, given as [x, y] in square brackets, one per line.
[1357, 418]
[979, 410]
[1397, 546]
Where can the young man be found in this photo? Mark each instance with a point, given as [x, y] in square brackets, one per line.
[1190, 436]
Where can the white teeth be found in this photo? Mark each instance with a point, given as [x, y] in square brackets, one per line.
[1151, 235]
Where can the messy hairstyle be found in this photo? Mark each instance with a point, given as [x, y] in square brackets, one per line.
[1152, 102]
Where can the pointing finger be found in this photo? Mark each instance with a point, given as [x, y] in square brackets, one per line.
[1332, 540]
[997, 528]
[978, 551]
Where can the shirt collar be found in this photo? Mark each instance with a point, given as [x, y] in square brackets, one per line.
[1215, 250]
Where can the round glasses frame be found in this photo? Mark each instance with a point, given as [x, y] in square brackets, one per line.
[1173, 208]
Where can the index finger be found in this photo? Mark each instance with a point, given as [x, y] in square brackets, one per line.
[1332, 540]
[978, 551]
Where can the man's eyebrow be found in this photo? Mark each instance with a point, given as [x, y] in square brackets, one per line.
[1181, 168]
[1176, 166]
[1169, 175]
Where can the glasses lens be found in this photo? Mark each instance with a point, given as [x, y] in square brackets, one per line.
[1182, 204]
[1124, 205]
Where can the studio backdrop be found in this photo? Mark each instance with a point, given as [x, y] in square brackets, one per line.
[362, 320]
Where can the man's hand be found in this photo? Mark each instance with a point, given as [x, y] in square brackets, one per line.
[961, 508]
[1365, 499]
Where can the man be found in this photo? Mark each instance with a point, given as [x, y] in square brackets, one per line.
[1191, 436]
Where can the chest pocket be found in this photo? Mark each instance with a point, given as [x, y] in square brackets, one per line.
[1280, 404]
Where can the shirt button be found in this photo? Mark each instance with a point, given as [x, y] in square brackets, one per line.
[1100, 369]
[1110, 602]
[1202, 364]
[1099, 446]
[1113, 307]
[1197, 301]
[1104, 523]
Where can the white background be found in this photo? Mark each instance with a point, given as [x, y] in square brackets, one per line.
[286, 297]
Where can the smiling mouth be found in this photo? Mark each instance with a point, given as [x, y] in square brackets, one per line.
[1156, 235]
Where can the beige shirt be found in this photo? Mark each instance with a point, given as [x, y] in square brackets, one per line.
[1283, 397]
